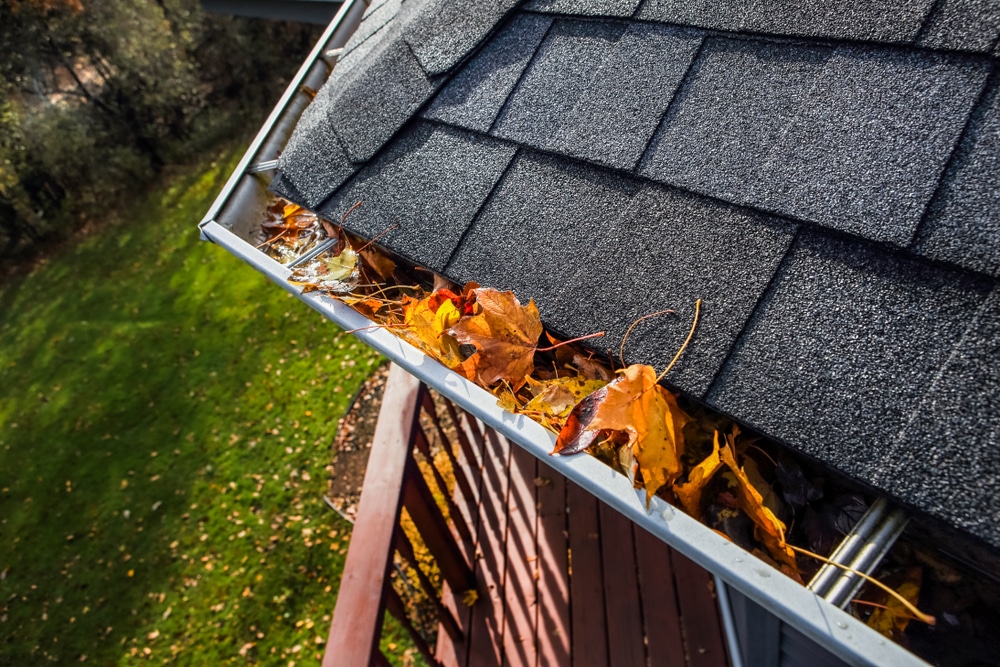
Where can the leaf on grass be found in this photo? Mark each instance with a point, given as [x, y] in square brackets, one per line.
[689, 493]
[769, 530]
[892, 619]
[505, 335]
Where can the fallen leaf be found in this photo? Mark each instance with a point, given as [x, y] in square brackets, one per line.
[505, 335]
[636, 404]
[427, 323]
[379, 263]
[553, 400]
[892, 619]
[575, 436]
[769, 530]
[590, 369]
[689, 493]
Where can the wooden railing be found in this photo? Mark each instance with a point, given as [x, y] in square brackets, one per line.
[405, 472]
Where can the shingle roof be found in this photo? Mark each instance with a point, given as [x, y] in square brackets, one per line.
[824, 175]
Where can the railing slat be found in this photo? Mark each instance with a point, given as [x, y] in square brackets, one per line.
[442, 486]
[426, 515]
[357, 617]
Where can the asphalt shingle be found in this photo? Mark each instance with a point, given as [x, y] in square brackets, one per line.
[585, 7]
[629, 250]
[857, 145]
[613, 88]
[375, 98]
[472, 99]
[839, 355]
[375, 18]
[431, 181]
[443, 32]
[958, 423]
[967, 25]
[876, 20]
[963, 223]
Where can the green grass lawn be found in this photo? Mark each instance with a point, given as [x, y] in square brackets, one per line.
[165, 422]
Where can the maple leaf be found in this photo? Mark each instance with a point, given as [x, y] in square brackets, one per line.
[505, 335]
[689, 493]
[633, 403]
[769, 529]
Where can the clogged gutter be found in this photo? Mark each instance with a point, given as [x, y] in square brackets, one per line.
[740, 486]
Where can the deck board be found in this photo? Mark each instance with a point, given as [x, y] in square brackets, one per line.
[621, 583]
[566, 580]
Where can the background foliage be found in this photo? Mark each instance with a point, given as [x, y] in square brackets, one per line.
[96, 97]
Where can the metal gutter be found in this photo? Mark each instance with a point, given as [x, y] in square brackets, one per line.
[793, 603]
[230, 223]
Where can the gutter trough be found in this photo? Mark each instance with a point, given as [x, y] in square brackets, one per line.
[815, 612]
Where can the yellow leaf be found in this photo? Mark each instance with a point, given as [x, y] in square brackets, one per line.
[427, 321]
[689, 493]
[892, 620]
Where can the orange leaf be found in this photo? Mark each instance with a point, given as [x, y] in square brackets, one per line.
[553, 400]
[649, 414]
[505, 334]
[379, 263]
[575, 435]
[769, 528]
[689, 493]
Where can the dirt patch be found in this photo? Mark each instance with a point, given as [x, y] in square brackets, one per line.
[353, 444]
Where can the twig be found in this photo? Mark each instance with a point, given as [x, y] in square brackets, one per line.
[571, 340]
[917, 614]
[694, 325]
[621, 348]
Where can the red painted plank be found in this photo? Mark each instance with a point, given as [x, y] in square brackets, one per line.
[520, 584]
[661, 618]
[357, 617]
[553, 624]
[699, 614]
[621, 587]
[486, 631]
[589, 640]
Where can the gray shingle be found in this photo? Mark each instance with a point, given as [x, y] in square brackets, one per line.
[313, 163]
[963, 223]
[585, 7]
[968, 25]
[375, 18]
[443, 32]
[375, 98]
[431, 181]
[616, 115]
[628, 250]
[718, 149]
[473, 98]
[596, 92]
[875, 20]
[856, 145]
[838, 356]
[565, 64]
[955, 473]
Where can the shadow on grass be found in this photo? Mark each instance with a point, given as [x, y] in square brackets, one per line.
[165, 420]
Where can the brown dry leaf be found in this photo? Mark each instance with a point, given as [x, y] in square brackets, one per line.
[636, 404]
[591, 369]
[553, 400]
[428, 321]
[770, 530]
[892, 620]
[379, 263]
[689, 493]
[505, 334]
[367, 306]
[575, 435]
